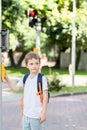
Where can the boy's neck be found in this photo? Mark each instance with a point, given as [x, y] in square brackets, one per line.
[33, 74]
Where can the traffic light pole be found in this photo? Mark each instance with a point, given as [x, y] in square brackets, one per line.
[73, 43]
[38, 30]
[0, 68]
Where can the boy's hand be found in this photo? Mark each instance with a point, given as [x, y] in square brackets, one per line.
[6, 76]
[42, 118]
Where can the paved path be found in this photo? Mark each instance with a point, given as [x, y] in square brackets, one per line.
[64, 113]
[79, 81]
[67, 113]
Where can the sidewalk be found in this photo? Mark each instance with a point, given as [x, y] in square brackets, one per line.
[64, 113]
[8, 95]
[79, 81]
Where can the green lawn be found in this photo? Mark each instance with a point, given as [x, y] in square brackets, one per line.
[68, 89]
[18, 72]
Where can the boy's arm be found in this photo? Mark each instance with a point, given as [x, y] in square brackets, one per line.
[11, 84]
[44, 107]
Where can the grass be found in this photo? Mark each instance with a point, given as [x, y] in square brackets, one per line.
[75, 89]
[67, 90]
[18, 72]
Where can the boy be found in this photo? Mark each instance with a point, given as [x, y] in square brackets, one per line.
[34, 110]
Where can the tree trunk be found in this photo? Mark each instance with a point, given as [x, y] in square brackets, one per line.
[21, 59]
[18, 64]
[11, 58]
[57, 65]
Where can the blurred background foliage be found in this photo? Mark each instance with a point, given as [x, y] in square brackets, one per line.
[56, 28]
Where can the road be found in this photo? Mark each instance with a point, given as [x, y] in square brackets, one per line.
[67, 113]
[64, 113]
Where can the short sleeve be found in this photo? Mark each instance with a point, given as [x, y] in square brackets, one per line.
[44, 83]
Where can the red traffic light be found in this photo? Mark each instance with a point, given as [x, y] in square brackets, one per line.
[32, 13]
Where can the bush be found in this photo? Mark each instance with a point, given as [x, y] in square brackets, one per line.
[54, 82]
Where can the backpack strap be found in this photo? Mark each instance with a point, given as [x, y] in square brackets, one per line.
[25, 77]
[39, 87]
[39, 82]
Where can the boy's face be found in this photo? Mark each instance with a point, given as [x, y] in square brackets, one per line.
[33, 65]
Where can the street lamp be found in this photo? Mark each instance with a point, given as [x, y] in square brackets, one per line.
[73, 43]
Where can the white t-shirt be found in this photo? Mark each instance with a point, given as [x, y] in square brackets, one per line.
[32, 104]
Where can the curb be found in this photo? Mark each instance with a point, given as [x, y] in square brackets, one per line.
[68, 94]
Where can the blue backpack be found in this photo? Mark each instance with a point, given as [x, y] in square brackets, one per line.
[39, 87]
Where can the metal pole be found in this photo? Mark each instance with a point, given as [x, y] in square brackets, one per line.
[73, 43]
[0, 68]
[38, 30]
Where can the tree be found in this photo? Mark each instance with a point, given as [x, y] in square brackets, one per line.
[59, 29]
[81, 38]
[56, 18]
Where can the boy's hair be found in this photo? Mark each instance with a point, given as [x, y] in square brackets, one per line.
[30, 56]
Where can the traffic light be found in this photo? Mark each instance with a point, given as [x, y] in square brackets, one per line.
[32, 15]
[5, 40]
